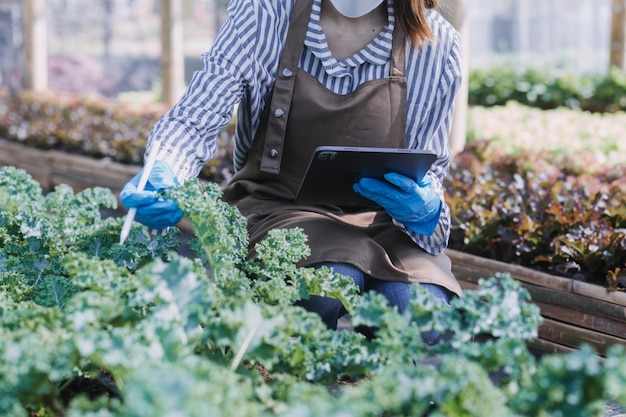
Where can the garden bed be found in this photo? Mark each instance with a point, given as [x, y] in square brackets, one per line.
[125, 323]
[52, 168]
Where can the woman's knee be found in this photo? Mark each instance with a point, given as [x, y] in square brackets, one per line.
[347, 270]
[329, 309]
[439, 292]
[398, 294]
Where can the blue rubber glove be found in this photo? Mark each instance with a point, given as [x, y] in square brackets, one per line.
[152, 209]
[416, 205]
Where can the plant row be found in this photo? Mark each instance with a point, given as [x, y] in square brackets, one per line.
[516, 128]
[547, 89]
[542, 212]
[84, 125]
[562, 213]
[92, 127]
[90, 327]
[101, 128]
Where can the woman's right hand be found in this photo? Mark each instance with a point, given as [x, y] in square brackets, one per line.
[153, 210]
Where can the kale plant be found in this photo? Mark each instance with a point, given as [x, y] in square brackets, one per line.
[89, 328]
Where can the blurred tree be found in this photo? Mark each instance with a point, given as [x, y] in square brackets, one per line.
[172, 55]
[618, 28]
[108, 27]
[35, 44]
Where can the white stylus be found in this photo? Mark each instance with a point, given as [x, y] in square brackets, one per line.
[130, 217]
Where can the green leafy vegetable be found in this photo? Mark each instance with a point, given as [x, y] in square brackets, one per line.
[92, 328]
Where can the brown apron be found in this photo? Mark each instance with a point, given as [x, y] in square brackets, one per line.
[302, 114]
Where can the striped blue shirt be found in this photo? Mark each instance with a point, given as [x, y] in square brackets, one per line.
[240, 69]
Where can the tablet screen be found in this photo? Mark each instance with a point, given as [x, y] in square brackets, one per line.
[333, 170]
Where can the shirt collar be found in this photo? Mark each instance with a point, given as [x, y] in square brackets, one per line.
[378, 52]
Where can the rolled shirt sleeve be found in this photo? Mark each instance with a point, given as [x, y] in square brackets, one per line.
[239, 68]
[431, 111]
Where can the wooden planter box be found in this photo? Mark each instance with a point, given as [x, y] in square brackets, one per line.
[573, 312]
[52, 168]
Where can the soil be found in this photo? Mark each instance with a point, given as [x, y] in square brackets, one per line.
[93, 388]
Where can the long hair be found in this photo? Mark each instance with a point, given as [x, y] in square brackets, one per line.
[411, 14]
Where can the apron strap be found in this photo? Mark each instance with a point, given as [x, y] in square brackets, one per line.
[398, 57]
[283, 87]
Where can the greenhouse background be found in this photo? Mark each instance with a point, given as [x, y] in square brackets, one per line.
[94, 322]
[111, 47]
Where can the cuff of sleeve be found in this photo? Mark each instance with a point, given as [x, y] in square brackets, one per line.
[177, 164]
[423, 228]
[426, 227]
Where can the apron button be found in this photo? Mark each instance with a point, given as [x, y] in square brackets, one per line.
[273, 153]
[279, 113]
[287, 72]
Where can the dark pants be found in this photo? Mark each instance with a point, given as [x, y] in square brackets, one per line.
[398, 295]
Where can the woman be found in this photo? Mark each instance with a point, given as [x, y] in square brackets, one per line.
[307, 73]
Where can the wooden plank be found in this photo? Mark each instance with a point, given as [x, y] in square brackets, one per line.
[605, 318]
[574, 337]
[81, 172]
[478, 267]
[51, 168]
[563, 329]
[577, 302]
[584, 319]
[551, 341]
[571, 308]
[599, 293]
[471, 268]
[466, 285]
[34, 161]
[548, 346]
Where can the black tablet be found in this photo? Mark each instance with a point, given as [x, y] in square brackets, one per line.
[333, 170]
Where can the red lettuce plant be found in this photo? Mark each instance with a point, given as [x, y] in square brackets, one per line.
[560, 216]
